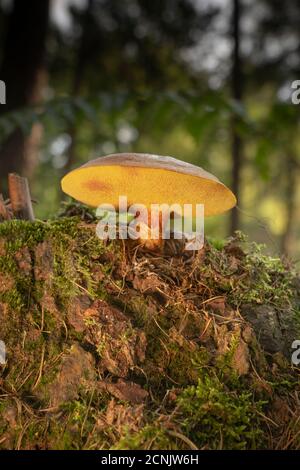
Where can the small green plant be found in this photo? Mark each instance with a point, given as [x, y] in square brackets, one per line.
[216, 417]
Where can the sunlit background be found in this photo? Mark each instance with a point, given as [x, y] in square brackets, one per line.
[209, 82]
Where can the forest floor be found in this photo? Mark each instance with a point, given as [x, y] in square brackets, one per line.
[116, 348]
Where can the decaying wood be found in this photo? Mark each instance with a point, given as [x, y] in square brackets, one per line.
[19, 194]
[2, 208]
[5, 213]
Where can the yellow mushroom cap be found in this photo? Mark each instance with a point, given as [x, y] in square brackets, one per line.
[147, 179]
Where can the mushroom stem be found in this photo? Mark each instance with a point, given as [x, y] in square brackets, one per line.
[149, 226]
[154, 228]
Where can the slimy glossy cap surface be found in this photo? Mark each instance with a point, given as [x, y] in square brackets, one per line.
[147, 179]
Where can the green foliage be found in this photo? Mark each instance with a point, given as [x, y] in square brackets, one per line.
[208, 415]
[272, 281]
[154, 436]
[217, 417]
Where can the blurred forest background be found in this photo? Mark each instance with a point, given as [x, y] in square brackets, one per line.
[207, 81]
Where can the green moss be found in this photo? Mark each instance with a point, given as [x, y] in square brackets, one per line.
[196, 397]
[19, 233]
[208, 415]
[150, 437]
[268, 281]
[61, 438]
[224, 363]
[217, 417]
[180, 361]
[250, 278]
[14, 299]
[216, 243]
[138, 308]
[74, 249]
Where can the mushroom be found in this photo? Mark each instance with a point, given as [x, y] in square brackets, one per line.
[147, 179]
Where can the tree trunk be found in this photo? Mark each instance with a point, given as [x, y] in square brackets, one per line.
[236, 84]
[291, 189]
[82, 57]
[22, 70]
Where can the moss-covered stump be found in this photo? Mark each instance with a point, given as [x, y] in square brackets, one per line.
[111, 349]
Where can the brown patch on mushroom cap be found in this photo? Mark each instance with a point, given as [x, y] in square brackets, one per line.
[96, 185]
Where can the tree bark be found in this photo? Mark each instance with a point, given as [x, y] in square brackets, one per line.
[22, 70]
[237, 94]
[291, 189]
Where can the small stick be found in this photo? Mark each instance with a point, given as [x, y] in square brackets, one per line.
[20, 197]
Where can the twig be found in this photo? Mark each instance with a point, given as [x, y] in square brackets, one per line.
[40, 369]
[183, 438]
